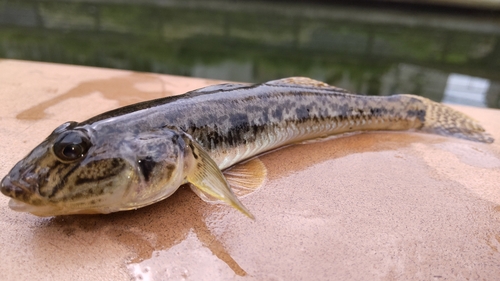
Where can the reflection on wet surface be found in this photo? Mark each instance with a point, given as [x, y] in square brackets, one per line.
[155, 228]
[128, 89]
[176, 263]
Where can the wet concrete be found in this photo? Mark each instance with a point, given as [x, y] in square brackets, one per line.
[375, 206]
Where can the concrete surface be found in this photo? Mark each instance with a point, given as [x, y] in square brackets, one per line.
[377, 206]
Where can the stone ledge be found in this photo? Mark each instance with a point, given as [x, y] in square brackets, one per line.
[372, 206]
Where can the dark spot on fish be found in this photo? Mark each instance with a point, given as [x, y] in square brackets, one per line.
[78, 195]
[302, 113]
[147, 165]
[242, 133]
[170, 169]
[344, 109]
[193, 151]
[421, 115]
[175, 139]
[212, 139]
[278, 113]
[238, 119]
[378, 112]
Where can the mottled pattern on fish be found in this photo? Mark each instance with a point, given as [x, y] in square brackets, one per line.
[140, 154]
[236, 121]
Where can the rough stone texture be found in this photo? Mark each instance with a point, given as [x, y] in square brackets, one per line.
[375, 206]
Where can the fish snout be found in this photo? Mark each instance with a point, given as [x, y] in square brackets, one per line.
[6, 186]
[10, 188]
[15, 189]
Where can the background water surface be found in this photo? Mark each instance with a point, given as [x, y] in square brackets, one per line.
[444, 53]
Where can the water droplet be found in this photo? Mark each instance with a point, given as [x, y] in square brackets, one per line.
[140, 273]
[177, 273]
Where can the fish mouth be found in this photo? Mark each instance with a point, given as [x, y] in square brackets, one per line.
[19, 194]
[15, 190]
[41, 211]
[19, 206]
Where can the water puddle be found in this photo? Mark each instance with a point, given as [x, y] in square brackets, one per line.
[126, 89]
[478, 165]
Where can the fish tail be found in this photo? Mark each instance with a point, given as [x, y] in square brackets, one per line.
[443, 120]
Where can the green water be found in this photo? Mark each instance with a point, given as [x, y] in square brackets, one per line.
[450, 57]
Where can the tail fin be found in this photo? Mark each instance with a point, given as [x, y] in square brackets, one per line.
[443, 120]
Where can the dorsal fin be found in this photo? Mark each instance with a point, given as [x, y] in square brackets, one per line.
[303, 81]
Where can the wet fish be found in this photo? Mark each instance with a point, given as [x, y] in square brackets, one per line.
[140, 154]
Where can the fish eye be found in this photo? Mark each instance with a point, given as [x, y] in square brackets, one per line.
[71, 146]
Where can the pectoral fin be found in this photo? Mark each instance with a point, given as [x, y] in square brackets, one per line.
[207, 180]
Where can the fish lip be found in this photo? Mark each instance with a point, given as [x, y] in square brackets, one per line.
[41, 211]
[18, 206]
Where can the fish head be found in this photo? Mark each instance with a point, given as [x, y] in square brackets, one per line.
[77, 170]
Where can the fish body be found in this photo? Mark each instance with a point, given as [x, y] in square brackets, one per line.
[139, 154]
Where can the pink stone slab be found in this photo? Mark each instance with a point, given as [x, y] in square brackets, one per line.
[373, 206]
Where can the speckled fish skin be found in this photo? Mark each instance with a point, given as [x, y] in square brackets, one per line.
[142, 153]
[236, 121]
